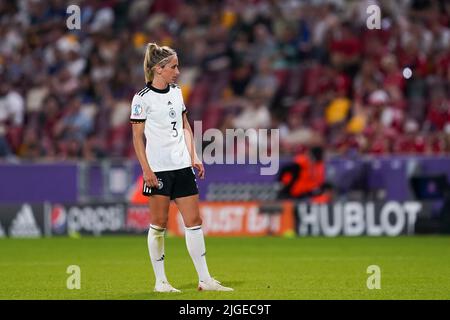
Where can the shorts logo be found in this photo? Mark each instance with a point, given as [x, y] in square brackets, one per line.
[137, 110]
[160, 184]
[172, 114]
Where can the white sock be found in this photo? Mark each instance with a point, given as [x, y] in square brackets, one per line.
[196, 246]
[155, 242]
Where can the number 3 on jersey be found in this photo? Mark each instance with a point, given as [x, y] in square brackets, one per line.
[174, 123]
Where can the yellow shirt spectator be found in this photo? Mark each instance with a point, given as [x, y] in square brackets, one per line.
[337, 110]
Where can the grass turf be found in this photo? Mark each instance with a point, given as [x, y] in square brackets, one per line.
[118, 267]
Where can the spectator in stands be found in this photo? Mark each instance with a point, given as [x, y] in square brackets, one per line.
[254, 112]
[296, 134]
[31, 146]
[11, 118]
[264, 83]
[74, 125]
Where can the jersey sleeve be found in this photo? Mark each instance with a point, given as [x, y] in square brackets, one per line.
[138, 110]
[183, 106]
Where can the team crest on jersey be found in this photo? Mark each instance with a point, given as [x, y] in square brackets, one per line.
[137, 110]
[172, 114]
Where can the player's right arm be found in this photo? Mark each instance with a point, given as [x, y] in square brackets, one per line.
[138, 118]
[139, 148]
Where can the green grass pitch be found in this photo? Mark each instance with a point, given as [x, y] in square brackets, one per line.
[118, 267]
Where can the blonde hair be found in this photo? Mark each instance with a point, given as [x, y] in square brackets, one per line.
[156, 55]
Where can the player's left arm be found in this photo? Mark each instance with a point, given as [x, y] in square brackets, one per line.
[189, 139]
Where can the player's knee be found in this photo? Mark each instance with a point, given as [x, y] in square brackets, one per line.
[160, 222]
[197, 221]
[194, 222]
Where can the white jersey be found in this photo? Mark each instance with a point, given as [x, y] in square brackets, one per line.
[162, 110]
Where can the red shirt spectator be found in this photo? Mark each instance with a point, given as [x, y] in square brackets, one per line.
[439, 114]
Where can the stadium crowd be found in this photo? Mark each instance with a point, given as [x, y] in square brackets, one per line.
[312, 69]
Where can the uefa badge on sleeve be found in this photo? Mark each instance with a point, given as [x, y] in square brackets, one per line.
[137, 110]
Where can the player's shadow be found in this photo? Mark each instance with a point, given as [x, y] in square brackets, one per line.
[187, 288]
[193, 286]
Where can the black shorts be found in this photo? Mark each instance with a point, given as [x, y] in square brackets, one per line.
[174, 184]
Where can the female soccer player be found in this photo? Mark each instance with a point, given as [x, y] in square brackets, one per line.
[167, 163]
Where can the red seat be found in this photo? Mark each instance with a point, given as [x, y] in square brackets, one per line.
[282, 76]
[198, 96]
[118, 138]
[212, 116]
[14, 137]
[310, 81]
